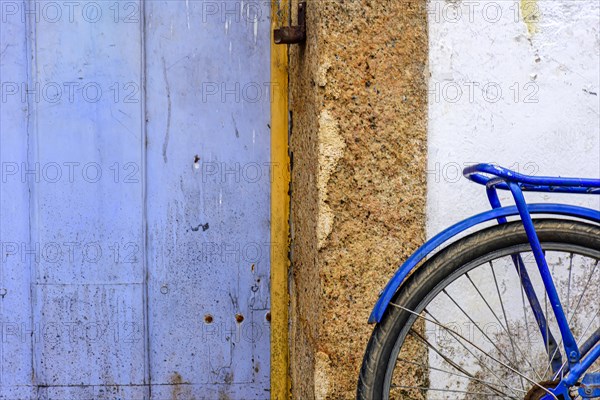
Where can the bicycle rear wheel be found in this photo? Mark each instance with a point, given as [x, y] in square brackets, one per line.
[462, 327]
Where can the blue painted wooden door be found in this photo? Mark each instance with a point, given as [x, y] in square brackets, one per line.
[134, 199]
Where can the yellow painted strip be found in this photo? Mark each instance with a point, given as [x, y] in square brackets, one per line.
[280, 210]
[530, 14]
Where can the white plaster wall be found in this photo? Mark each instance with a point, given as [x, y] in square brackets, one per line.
[522, 93]
[545, 120]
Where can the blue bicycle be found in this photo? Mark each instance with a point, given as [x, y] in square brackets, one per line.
[511, 311]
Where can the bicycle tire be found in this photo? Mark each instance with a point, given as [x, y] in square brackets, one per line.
[389, 335]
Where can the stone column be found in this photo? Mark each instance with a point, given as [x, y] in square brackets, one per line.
[358, 102]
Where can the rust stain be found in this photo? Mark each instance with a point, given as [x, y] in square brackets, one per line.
[176, 382]
[224, 396]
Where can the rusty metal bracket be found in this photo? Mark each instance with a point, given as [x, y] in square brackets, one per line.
[293, 34]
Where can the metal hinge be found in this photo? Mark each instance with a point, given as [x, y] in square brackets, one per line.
[293, 34]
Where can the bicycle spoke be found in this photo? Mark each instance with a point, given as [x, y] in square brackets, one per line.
[547, 344]
[506, 329]
[452, 333]
[512, 343]
[455, 334]
[449, 361]
[524, 308]
[426, 389]
[569, 285]
[591, 342]
[587, 283]
[450, 372]
[573, 315]
[510, 336]
[578, 341]
[478, 328]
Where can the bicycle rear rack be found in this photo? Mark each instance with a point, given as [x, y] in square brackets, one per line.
[500, 177]
[496, 177]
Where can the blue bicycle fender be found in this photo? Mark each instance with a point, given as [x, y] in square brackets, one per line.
[405, 269]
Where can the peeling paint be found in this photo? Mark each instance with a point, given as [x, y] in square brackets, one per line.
[322, 73]
[237, 132]
[165, 146]
[322, 368]
[255, 29]
[530, 15]
[331, 150]
[187, 13]
[197, 228]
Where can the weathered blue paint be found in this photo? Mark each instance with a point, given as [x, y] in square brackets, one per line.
[109, 278]
[441, 239]
[16, 350]
[208, 196]
[590, 386]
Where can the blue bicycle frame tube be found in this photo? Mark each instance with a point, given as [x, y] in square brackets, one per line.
[549, 341]
[579, 369]
[590, 342]
[569, 342]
